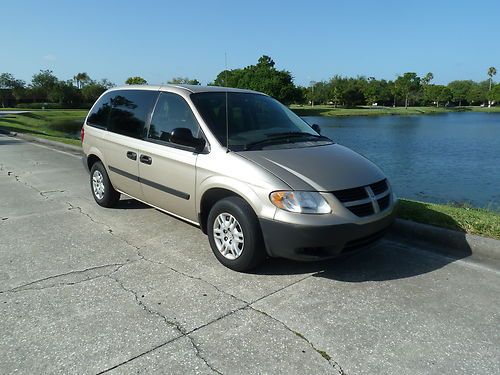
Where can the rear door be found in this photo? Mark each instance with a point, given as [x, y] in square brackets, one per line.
[167, 171]
[130, 110]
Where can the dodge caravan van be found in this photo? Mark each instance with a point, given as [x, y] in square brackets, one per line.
[256, 178]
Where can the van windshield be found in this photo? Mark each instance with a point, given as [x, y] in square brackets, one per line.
[254, 121]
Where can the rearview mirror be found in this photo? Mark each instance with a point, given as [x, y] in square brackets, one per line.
[184, 137]
[316, 128]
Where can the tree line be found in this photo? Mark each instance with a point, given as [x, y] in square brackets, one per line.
[405, 90]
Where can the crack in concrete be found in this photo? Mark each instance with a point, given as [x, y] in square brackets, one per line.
[109, 230]
[182, 331]
[335, 365]
[177, 326]
[44, 193]
[51, 281]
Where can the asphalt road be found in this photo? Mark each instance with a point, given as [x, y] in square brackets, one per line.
[132, 290]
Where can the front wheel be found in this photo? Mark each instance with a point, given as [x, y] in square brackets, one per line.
[234, 234]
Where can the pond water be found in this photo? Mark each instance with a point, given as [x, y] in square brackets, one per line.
[453, 157]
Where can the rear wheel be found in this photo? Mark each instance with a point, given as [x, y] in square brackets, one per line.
[234, 234]
[102, 190]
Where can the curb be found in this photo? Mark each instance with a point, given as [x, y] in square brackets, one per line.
[47, 142]
[446, 241]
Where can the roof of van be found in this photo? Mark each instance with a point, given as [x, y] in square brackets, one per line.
[187, 88]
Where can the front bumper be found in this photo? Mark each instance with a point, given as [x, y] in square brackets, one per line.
[303, 242]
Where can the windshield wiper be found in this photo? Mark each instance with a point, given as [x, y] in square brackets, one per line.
[277, 137]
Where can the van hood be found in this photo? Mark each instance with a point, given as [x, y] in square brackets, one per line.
[320, 168]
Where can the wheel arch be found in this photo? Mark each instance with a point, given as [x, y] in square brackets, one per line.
[209, 198]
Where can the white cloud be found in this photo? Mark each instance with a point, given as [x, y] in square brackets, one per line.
[49, 57]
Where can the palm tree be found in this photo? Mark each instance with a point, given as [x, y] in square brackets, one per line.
[80, 79]
[491, 72]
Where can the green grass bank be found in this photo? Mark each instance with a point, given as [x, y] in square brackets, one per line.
[58, 125]
[328, 110]
[460, 218]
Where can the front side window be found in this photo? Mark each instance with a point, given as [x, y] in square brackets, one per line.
[254, 121]
[130, 110]
[171, 112]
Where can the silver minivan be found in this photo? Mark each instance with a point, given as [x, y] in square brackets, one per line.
[256, 178]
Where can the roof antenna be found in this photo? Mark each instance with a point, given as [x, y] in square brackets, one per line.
[227, 109]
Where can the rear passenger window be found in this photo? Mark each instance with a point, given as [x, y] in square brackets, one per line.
[171, 112]
[129, 111]
[100, 112]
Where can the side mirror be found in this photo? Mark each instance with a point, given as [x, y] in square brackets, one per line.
[184, 137]
[316, 128]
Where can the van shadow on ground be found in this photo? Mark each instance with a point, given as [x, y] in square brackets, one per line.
[401, 254]
[394, 257]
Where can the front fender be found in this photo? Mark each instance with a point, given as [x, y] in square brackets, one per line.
[256, 197]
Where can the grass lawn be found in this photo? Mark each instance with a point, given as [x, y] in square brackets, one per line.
[58, 125]
[460, 218]
[328, 110]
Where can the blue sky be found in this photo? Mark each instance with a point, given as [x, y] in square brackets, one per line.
[312, 39]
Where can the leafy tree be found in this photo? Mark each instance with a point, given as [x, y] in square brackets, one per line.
[93, 90]
[376, 91]
[7, 86]
[318, 92]
[81, 79]
[407, 85]
[338, 87]
[136, 81]
[262, 77]
[476, 94]
[42, 83]
[460, 90]
[45, 79]
[437, 93]
[64, 92]
[494, 94]
[184, 81]
[445, 95]
[353, 94]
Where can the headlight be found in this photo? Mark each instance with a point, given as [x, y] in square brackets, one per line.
[306, 202]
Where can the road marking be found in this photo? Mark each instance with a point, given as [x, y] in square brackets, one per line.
[56, 150]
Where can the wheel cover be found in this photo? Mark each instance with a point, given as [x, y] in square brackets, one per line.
[228, 236]
[98, 184]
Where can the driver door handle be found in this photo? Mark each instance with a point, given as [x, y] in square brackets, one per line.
[145, 159]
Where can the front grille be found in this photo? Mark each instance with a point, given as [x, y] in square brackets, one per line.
[379, 187]
[349, 195]
[365, 200]
[361, 210]
[383, 203]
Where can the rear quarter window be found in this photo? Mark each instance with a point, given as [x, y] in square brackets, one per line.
[130, 110]
[123, 111]
[99, 114]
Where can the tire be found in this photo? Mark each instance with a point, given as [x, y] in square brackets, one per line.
[246, 228]
[103, 192]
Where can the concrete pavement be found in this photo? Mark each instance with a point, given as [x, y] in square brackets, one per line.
[85, 289]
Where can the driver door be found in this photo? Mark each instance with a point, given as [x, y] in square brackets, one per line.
[167, 171]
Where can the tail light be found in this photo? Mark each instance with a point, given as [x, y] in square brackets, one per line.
[82, 133]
